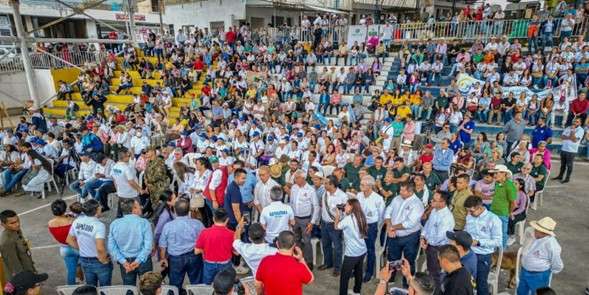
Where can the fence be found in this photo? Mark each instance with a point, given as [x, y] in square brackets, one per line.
[468, 31]
[43, 60]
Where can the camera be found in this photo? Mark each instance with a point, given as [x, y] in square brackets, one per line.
[341, 207]
[395, 264]
[246, 218]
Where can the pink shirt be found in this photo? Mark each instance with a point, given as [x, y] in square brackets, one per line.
[546, 156]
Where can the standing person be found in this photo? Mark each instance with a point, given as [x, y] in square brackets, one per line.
[540, 259]
[463, 241]
[442, 161]
[504, 198]
[216, 246]
[571, 138]
[262, 197]
[403, 224]
[177, 246]
[130, 241]
[373, 207]
[331, 238]
[294, 271]
[433, 235]
[514, 129]
[125, 180]
[277, 216]
[304, 203]
[354, 228]
[88, 235]
[457, 280]
[59, 227]
[233, 204]
[253, 252]
[461, 193]
[216, 185]
[14, 248]
[156, 178]
[486, 231]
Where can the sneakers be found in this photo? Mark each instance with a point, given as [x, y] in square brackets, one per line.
[510, 241]
[242, 270]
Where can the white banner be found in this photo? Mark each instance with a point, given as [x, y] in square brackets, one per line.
[356, 34]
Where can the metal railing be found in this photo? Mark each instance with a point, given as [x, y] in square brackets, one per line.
[44, 60]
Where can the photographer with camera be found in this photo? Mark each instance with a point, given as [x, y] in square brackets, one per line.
[355, 228]
[419, 284]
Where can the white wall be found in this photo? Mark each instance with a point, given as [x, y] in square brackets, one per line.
[201, 14]
[14, 91]
[267, 14]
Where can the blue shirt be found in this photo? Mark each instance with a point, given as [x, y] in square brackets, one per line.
[487, 230]
[541, 134]
[442, 159]
[233, 196]
[465, 136]
[130, 237]
[456, 145]
[469, 261]
[179, 235]
[246, 189]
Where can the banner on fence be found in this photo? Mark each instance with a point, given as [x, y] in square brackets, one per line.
[357, 34]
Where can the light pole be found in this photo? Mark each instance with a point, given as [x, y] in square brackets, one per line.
[24, 50]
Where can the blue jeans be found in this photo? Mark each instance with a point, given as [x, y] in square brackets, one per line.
[11, 178]
[530, 281]
[96, 273]
[130, 278]
[504, 227]
[371, 249]
[91, 187]
[407, 247]
[331, 242]
[210, 270]
[70, 258]
[186, 264]
[79, 189]
[483, 268]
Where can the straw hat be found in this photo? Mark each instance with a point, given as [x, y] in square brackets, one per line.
[545, 225]
[276, 170]
[501, 168]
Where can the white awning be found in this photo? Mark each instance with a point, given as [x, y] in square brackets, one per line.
[329, 10]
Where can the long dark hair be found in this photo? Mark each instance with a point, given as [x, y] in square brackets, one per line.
[36, 156]
[360, 217]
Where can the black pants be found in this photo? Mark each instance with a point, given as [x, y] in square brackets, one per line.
[433, 265]
[511, 225]
[351, 266]
[566, 163]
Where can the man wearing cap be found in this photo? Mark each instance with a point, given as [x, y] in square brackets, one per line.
[463, 241]
[155, 177]
[487, 234]
[504, 197]
[433, 235]
[540, 259]
[571, 138]
[443, 158]
[14, 248]
[25, 282]
[86, 173]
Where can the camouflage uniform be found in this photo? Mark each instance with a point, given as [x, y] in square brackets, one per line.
[156, 179]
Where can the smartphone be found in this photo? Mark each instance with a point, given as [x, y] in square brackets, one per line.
[246, 217]
[395, 265]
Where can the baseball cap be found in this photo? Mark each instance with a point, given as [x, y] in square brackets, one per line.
[213, 159]
[461, 238]
[224, 281]
[23, 281]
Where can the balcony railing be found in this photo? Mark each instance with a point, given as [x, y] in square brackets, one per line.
[42, 60]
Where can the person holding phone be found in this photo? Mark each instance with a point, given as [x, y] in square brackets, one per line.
[354, 226]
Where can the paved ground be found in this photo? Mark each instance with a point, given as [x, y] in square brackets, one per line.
[565, 203]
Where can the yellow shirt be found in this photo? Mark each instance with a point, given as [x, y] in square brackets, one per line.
[403, 111]
[385, 98]
[415, 99]
[397, 101]
[251, 93]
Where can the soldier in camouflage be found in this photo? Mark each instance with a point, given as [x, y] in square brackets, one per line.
[156, 176]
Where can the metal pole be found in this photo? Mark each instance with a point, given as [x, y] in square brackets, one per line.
[131, 21]
[26, 58]
[161, 10]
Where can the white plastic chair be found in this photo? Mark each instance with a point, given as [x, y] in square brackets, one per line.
[249, 283]
[518, 258]
[118, 290]
[50, 181]
[316, 243]
[169, 290]
[539, 197]
[379, 250]
[493, 279]
[328, 170]
[67, 289]
[199, 289]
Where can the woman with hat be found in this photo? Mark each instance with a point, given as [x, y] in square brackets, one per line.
[540, 259]
[25, 283]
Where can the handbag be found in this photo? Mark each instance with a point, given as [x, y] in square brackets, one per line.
[197, 201]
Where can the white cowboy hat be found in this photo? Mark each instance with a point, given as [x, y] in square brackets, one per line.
[545, 225]
[501, 168]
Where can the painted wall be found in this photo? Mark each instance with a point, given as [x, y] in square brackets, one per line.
[13, 87]
[202, 13]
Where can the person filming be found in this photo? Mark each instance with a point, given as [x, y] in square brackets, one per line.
[355, 228]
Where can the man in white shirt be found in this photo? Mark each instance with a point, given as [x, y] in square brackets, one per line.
[433, 235]
[125, 179]
[101, 175]
[403, 222]
[277, 216]
[540, 259]
[571, 139]
[304, 203]
[253, 252]
[373, 207]
[87, 234]
[87, 168]
[331, 238]
[262, 188]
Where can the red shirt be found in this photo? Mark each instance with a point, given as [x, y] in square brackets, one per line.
[579, 107]
[216, 243]
[288, 281]
[199, 65]
[60, 233]
[230, 37]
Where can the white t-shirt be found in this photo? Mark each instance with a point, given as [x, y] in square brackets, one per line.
[122, 173]
[354, 243]
[276, 218]
[253, 253]
[87, 230]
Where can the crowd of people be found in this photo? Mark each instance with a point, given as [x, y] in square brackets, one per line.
[258, 166]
